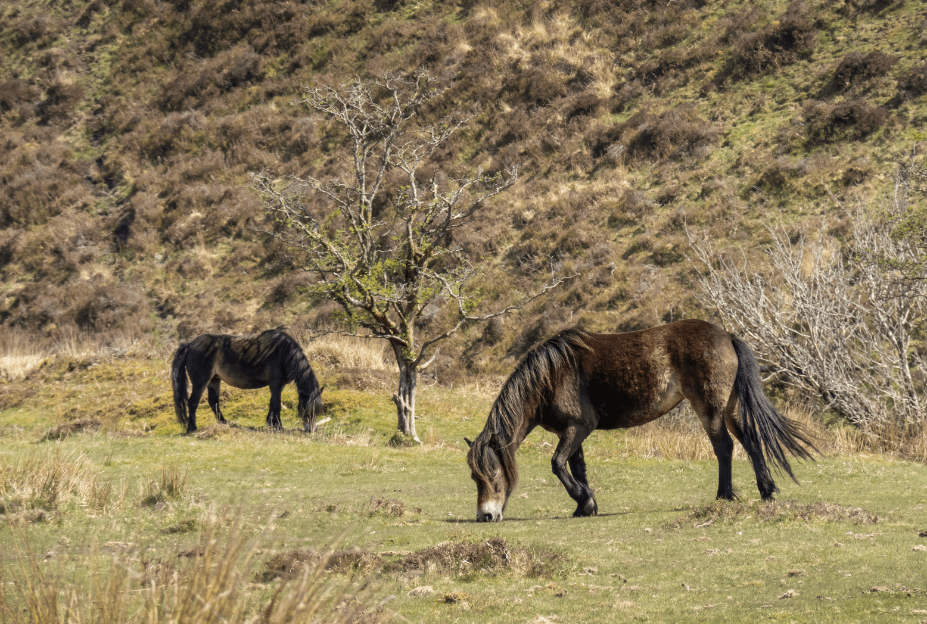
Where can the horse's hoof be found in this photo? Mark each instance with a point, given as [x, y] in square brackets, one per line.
[589, 509]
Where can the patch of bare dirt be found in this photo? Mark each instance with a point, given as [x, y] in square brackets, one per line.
[292, 564]
[772, 511]
[488, 557]
[81, 425]
[491, 556]
[389, 507]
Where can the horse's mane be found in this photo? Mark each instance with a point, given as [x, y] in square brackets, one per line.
[533, 381]
[255, 350]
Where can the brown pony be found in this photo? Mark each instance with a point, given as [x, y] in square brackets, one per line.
[271, 358]
[577, 382]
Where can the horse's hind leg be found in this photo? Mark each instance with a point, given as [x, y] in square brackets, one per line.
[712, 419]
[213, 398]
[196, 393]
[570, 451]
[273, 413]
[764, 480]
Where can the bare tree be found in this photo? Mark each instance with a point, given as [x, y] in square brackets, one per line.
[379, 240]
[836, 322]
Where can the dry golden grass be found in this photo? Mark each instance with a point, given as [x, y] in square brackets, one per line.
[211, 583]
[680, 436]
[38, 486]
[19, 356]
[334, 349]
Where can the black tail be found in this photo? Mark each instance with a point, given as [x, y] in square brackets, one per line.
[179, 383]
[766, 432]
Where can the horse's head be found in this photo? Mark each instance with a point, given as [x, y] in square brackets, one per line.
[309, 408]
[492, 483]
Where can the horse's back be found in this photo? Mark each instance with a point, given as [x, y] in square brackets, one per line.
[635, 377]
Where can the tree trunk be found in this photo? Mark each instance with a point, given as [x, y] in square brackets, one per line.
[405, 397]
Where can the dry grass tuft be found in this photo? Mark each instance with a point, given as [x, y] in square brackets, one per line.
[19, 356]
[169, 484]
[36, 488]
[341, 351]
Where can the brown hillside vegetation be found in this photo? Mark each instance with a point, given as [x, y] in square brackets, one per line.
[128, 129]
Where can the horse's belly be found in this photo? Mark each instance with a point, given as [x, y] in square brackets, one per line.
[245, 382]
[633, 411]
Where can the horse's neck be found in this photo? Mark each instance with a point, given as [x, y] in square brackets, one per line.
[517, 435]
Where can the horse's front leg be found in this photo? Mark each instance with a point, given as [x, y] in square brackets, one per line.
[213, 398]
[273, 414]
[578, 469]
[570, 451]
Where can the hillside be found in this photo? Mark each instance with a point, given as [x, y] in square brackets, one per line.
[128, 129]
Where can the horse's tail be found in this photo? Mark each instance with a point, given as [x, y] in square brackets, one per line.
[179, 383]
[766, 432]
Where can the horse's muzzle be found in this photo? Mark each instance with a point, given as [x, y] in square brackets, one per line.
[488, 517]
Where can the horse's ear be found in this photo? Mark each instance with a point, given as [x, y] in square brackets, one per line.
[469, 443]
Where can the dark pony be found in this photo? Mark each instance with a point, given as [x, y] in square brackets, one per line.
[577, 382]
[271, 358]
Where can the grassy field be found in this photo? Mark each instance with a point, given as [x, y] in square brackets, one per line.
[112, 515]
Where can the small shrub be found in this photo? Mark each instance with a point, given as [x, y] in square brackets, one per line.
[781, 42]
[537, 86]
[192, 87]
[780, 172]
[856, 69]
[61, 98]
[676, 134]
[854, 119]
[913, 83]
[18, 95]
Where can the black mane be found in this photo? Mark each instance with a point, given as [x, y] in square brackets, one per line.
[524, 391]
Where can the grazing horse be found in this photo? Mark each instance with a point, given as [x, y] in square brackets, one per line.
[577, 382]
[271, 358]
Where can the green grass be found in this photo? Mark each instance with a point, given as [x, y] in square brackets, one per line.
[661, 550]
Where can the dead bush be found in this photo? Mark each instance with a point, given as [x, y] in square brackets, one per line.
[676, 134]
[265, 25]
[536, 86]
[39, 30]
[672, 66]
[853, 119]
[778, 174]
[20, 96]
[781, 42]
[855, 70]
[631, 208]
[913, 83]
[39, 183]
[61, 98]
[625, 93]
[157, 139]
[194, 85]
